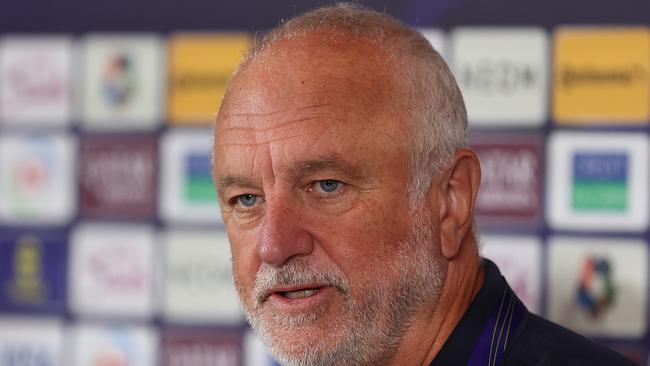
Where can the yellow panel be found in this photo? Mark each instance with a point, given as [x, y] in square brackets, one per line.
[200, 66]
[601, 75]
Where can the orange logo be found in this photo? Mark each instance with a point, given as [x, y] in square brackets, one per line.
[601, 75]
[200, 67]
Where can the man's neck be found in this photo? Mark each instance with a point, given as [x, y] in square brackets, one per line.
[430, 328]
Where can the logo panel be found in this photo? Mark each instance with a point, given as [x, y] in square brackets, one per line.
[187, 192]
[35, 80]
[36, 179]
[117, 177]
[198, 278]
[96, 345]
[602, 75]
[29, 342]
[122, 83]
[511, 184]
[112, 270]
[187, 347]
[598, 181]
[598, 286]
[200, 67]
[33, 270]
[502, 67]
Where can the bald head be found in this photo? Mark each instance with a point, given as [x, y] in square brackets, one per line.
[296, 63]
[397, 64]
[329, 135]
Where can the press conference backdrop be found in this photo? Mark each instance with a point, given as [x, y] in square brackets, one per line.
[112, 250]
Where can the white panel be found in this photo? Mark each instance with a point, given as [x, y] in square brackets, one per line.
[627, 260]
[199, 287]
[35, 81]
[112, 270]
[123, 79]
[564, 211]
[177, 175]
[37, 178]
[503, 74]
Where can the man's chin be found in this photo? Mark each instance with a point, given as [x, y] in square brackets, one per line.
[300, 327]
[306, 342]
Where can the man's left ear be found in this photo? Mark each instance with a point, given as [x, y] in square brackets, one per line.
[457, 188]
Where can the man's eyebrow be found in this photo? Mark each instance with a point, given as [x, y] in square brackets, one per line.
[301, 168]
[228, 181]
[332, 162]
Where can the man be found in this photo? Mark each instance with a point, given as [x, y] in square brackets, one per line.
[348, 192]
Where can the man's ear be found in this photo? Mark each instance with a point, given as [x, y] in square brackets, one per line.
[457, 188]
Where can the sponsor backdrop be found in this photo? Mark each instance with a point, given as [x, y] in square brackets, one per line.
[112, 249]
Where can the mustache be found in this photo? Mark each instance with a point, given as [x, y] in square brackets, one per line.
[296, 272]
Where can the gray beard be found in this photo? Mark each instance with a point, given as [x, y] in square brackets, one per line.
[371, 328]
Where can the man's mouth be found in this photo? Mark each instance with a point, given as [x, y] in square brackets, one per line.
[299, 294]
[293, 293]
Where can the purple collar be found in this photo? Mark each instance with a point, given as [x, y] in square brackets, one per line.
[490, 325]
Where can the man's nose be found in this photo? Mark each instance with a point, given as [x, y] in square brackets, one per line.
[283, 235]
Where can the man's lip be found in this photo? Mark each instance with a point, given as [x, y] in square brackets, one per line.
[306, 303]
[279, 290]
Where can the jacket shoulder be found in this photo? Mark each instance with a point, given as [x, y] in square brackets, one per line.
[542, 343]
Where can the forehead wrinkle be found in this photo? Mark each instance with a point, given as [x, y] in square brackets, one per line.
[249, 120]
[265, 141]
[288, 123]
[235, 136]
[238, 136]
[263, 162]
[248, 115]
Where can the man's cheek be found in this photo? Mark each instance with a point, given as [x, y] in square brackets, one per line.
[244, 280]
[245, 263]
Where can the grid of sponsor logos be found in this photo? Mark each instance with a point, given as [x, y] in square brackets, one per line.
[111, 245]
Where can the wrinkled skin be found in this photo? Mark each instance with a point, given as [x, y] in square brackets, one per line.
[311, 168]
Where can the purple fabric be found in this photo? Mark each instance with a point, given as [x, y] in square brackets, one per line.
[498, 332]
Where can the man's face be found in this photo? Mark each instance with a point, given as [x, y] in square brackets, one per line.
[311, 167]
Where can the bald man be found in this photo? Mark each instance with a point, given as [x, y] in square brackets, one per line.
[348, 193]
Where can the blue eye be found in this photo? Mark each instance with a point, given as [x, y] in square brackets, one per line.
[247, 200]
[329, 185]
